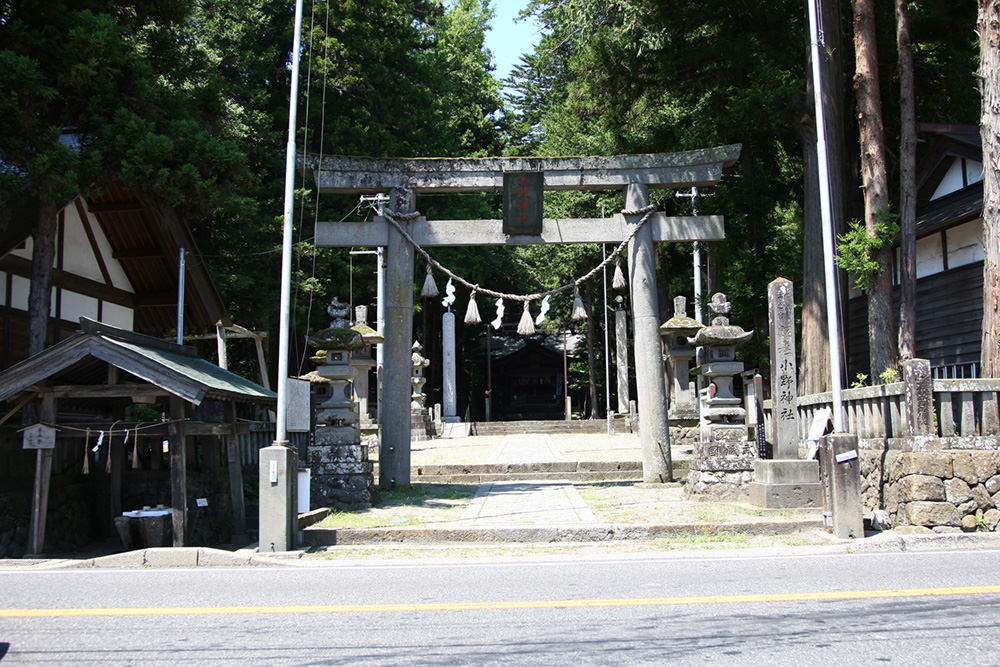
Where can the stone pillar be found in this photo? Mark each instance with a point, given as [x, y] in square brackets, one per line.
[278, 517]
[784, 415]
[394, 444]
[450, 393]
[919, 397]
[654, 434]
[621, 346]
[841, 466]
[786, 480]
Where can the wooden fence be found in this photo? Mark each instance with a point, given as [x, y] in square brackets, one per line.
[961, 408]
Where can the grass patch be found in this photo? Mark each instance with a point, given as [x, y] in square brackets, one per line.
[419, 504]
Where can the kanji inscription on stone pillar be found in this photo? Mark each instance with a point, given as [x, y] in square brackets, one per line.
[781, 318]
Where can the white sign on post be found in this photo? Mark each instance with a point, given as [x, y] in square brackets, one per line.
[38, 436]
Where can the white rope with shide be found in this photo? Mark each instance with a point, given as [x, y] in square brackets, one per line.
[394, 218]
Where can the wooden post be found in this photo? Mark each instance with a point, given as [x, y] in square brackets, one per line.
[43, 476]
[116, 448]
[178, 470]
[220, 343]
[235, 476]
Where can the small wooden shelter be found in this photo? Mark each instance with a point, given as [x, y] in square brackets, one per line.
[87, 381]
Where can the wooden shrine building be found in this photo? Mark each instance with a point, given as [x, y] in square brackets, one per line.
[114, 395]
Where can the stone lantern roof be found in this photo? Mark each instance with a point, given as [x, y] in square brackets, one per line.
[721, 332]
[680, 323]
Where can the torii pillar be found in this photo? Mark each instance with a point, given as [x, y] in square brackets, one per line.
[654, 433]
[394, 443]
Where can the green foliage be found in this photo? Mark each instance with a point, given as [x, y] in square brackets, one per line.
[861, 380]
[889, 375]
[857, 250]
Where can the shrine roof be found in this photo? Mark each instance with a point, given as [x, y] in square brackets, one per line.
[175, 369]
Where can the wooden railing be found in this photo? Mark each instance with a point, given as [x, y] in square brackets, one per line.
[967, 407]
[960, 408]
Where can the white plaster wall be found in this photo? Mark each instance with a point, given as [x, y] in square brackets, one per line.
[78, 257]
[973, 171]
[117, 316]
[953, 178]
[24, 252]
[930, 257]
[965, 244]
[115, 270]
[75, 306]
[19, 292]
[951, 182]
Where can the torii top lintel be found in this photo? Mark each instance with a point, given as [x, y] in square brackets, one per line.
[342, 174]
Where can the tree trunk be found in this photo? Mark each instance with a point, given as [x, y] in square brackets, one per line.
[40, 291]
[881, 328]
[594, 410]
[907, 188]
[989, 76]
[814, 369]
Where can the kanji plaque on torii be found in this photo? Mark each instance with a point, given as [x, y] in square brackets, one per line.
[522, 203]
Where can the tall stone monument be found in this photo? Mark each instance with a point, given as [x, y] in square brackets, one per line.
[621, 349]
[341, 472]
[785, 480]
[723, 456]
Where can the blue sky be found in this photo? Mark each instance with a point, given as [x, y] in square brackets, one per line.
[509, 38]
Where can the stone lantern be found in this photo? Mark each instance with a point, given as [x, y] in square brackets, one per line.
[341, 472]
[362, 362]
[679, 353]
[723, 457]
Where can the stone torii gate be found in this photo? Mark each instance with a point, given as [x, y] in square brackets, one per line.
[405, 178]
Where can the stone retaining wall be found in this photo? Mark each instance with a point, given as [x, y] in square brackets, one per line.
[933, 491]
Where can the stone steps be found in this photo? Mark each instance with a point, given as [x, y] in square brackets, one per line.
[547, 426]
[576, 471]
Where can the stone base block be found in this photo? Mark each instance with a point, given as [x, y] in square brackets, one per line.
[786, 496]
[786, 484]
[785, 471]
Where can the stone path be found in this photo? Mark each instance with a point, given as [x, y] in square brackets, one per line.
[526, 448]
[527, 504]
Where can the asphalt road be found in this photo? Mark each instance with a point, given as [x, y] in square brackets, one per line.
[918, 608]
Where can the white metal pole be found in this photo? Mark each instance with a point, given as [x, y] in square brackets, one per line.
[824, 205]
[180, 298]
[607, 352]
[286, 241]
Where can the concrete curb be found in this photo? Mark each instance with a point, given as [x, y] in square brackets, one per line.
[316, 537]
[893, 542]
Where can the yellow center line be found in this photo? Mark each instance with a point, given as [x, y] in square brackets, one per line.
[513, 604]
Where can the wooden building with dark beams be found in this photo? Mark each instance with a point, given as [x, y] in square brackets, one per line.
[116, 261]
[87, 384]
[949, 259]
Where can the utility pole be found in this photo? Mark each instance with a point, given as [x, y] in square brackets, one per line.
[693, 195]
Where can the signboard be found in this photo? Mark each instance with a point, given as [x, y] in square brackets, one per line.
[297, 406]
[38, 436]
[522, 203]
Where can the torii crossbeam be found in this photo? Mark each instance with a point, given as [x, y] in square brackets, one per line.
[404, 178]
